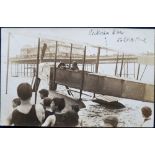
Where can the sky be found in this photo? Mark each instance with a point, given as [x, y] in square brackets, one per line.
[134, 41]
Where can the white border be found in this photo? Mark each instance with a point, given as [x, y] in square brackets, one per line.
[60, 13]
[70, 13]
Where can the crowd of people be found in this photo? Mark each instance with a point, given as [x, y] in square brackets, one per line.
[49, 112]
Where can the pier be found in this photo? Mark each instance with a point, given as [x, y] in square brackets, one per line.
[89, 59]
[25, 63]
[84, 80]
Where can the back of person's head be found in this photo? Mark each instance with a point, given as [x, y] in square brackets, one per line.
[59, 103]
[16, 102]
[24, 91]
[47, 102]
[44, 92]
[146, 111]
[71, 118]
[112, 120]
[75, 107]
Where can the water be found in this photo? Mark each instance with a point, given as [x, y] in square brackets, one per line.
[93, 114]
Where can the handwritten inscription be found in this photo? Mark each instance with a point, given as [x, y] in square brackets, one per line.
[104, 32]
[120, 35]
[130, 39]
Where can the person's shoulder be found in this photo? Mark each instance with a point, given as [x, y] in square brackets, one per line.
[51, 117]
[38, 106]
[11, 116]
[50, 121]
[41, 101]
[14, 111]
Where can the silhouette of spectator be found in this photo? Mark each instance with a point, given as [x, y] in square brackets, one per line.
[74, 66]
[16, 102]
[147, 112]
[43, 93]
[110, 121]
[26, 114]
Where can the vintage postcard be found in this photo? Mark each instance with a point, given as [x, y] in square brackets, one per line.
[77, 77]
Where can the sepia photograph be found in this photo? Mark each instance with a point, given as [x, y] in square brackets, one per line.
[76, 77]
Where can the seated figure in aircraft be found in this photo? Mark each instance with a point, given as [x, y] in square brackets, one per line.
[62, 65]
[74, 66]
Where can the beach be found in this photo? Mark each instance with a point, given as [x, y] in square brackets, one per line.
[93, 114]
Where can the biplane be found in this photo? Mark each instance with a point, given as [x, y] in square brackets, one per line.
[51, 53]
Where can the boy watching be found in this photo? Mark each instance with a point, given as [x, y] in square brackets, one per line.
[43, 93]
[16, 102]
[147, 112]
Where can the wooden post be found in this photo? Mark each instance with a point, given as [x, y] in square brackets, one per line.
[138, 71]
[116, 64]
[11, 69]
[21, 69]
[55, 60]
[134, 69]
[31, 70]
[87, 67]
[127, 67]
[38, 53]
[98, 59]
[97, 62]
[24, 69]
[17, 69]
[27, 70]
[70, 60]
[122, 65]
[124, 70]
[82, 80]
[8, 52]
[34, 71]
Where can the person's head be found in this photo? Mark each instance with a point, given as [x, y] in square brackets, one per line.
[75, 108]
[70, 119]
[47, 102]
[43, 93]
[62, 64]
[110, 121]
[146, 112]
[59, 104]
[74, 63]
[24, 91]
[16, 102]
